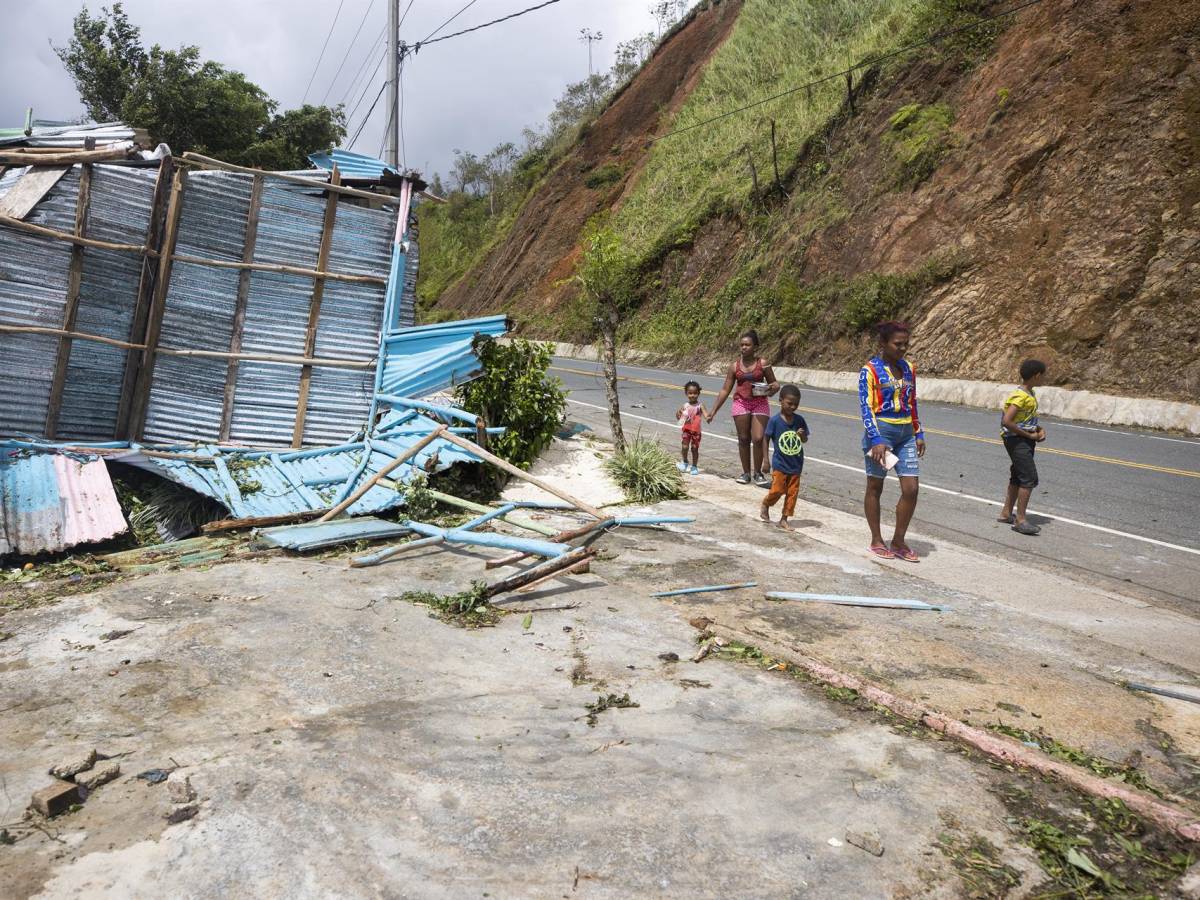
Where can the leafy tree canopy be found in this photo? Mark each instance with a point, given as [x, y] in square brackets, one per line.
[187, 102]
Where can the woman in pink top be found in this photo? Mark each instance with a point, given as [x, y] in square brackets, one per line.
[751, 381]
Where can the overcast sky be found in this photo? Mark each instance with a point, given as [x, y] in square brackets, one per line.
[468, 93]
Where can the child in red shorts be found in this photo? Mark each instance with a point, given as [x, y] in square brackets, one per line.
[690, 416]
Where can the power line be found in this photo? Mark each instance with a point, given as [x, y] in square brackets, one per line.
[366, 87]
[405, 16]
[321, 56]
[363, 67]
[363, 124]
[447, 37]
[447, 22]
[849, 71]
[349, 47]
[403, 148]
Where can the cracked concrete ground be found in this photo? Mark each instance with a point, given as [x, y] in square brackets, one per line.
[345, 743]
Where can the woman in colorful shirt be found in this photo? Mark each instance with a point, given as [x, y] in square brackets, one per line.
[752, 382]
[892, 437]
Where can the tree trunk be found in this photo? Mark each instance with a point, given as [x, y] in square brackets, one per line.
[609, 319]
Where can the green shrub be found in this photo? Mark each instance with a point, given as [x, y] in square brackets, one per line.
[515, 392]
[419, 504]
[604, 176]
[918, 139]
[646, 472]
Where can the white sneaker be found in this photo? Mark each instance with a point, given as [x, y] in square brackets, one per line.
[681, 466]
[694, 470]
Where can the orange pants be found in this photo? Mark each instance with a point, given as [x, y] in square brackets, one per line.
[786, 486]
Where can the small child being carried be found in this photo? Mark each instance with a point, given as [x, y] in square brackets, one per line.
[690, 416]
[788, 432]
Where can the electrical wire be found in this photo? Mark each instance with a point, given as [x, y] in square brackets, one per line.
[867, 63]
[447, 22]
[321, 56]
[447, 37]
[403, 148]
[349, 47]
[367, 118]
[362, 67]
[366, 87]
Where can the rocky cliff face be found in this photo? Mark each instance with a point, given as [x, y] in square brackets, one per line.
[1040, 202]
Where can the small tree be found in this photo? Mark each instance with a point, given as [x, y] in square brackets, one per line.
[607, 278]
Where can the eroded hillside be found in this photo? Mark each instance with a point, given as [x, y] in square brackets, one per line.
[1025, 187]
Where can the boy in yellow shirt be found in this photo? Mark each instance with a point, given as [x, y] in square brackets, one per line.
[1021, 434]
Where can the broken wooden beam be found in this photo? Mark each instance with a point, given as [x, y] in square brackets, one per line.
[540, 572]
[439, 432]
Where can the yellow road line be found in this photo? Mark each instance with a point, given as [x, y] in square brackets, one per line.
[1166, 470]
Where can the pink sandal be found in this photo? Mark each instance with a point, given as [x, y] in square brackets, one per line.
[905, 554]
[882, 552]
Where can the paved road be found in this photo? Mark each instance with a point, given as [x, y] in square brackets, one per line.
[1118, 507]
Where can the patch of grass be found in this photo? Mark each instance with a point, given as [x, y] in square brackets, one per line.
[646, 472]
[977, 861]
[467, 609]
[1097, 765]
[604, 176]
[918, 137]
[419, 504]
[611, 701]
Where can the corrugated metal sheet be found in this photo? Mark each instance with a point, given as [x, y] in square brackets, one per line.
[51, 501]
[67, 134]
[429, 358]
[353, 166]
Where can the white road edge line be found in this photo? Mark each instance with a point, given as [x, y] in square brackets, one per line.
[929, 487]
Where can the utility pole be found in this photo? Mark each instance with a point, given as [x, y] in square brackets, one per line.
[392, 154]
[591, 37]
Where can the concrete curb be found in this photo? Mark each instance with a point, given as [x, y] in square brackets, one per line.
[1085, 406]
[1165, 815]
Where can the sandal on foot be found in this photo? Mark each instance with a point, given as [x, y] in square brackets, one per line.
[882, 552]
[1010, 519]
[905, 554]
[1026, 528]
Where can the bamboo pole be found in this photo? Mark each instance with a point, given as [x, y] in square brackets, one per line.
[283, 358]
[505, 465]
[314, 308]
[451, 500]
[66, 157]
[281, 269]
[249, 241]
[74, 335]
[43, 231]
[62, 358]
[207, 162]
[439, 432]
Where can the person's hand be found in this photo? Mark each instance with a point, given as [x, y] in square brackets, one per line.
[679, 414]
[708, 418]
[920, 448]
[878, 452]
[1040, 435]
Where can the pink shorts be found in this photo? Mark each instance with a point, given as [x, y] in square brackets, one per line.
[751, 406]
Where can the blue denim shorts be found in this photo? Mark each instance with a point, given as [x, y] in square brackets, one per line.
[903, 442]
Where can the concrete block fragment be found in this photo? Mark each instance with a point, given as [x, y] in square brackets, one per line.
[73, 766]
[867, 842]
[101, 774]
[179, 786]
[55, 798]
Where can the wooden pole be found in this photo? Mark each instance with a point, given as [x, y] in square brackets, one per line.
[145, 293]
[753, 171]
[73, 335]
[850, 91]
[249, 241]
[318, 361]
[541, 572]
[282, 269]
[66, 158]
[314, 308]
[580, 568]
[439, 432]
[62, 359]
[209, 163]
[561, 538]
[261, 521]
[476, 450]
[141, 400]
[70, 238]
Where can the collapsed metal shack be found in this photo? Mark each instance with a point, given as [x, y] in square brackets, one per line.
[232, 315]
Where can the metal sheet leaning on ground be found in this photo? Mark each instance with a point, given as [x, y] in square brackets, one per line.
[1124, 500]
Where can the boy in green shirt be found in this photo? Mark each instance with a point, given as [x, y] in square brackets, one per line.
[1021, 434]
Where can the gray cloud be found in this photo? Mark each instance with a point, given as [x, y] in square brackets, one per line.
[469, 93]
